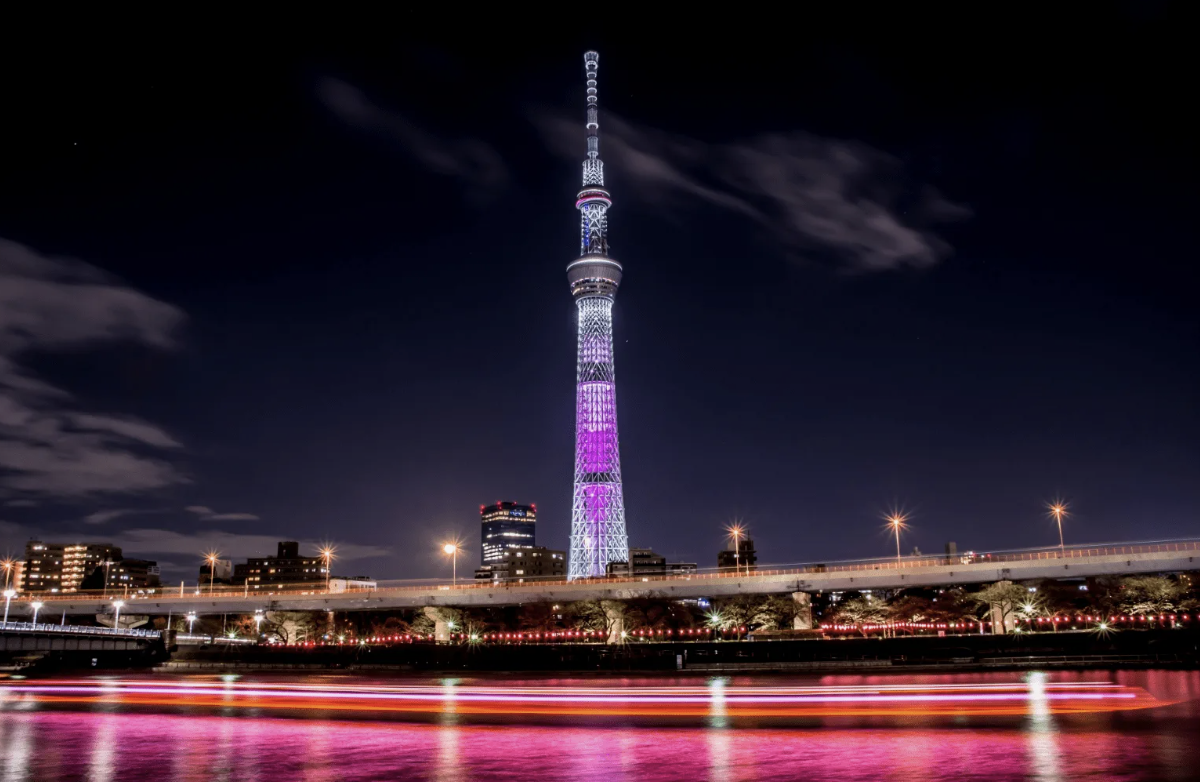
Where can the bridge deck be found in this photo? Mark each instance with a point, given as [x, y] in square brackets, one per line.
[876, 574]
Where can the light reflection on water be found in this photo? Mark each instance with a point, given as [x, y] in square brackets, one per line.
[107, 744]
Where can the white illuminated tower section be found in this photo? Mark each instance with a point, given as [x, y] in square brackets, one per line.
[598, 511]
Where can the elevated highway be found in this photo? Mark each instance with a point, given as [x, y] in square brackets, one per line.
[1074, 562]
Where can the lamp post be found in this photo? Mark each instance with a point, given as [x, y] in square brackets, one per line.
[117, 614]
[1058, 510]
[9, 594]
[327, 554]
[8, 566]
[191, 619]
[452, 550]
[212, 558]
[107, 565]
[36, 605]
[737, 532]
[258, 620]
[897, 521]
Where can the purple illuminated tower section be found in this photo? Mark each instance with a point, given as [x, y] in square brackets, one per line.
[598, 510]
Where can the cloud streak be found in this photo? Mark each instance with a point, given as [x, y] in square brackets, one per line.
[205, 513]
[471, 160]
[48, 447]
[837, 201]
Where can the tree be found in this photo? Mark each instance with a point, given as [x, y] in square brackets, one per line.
[585, 615]
[861, 610]
[1149, 595]
[291, 627]
[388, 626]
[537, 617]
[1002, 599]
[774, 612]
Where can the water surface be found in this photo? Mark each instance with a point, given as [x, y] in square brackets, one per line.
[46, 741]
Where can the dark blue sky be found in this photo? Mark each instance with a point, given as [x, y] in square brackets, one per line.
[949, 272]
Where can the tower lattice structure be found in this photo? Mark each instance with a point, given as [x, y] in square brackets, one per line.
[598, 509]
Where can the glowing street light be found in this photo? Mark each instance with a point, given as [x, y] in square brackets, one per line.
[1057, 510]
[211, 559]
[897, 521]
[258, 620]
[8, 566]
[107, 564]
[737, 532]
[117, 616]
[328, 552]
[451, 549]
[36, 605]
[191, 619]
[9, 594]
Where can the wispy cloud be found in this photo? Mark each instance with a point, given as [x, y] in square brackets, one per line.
[468, 159]
[48, 446]
[205, 513]
[105, 516]
[820, 199]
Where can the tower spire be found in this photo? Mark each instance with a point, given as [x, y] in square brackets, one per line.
[598, 534]
[593, 169]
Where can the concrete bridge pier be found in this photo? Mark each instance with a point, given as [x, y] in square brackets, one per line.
[441, 625]
[803, 618]
[128, 622]
[614, 612]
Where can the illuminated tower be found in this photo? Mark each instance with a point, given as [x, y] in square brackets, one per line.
[598, 510]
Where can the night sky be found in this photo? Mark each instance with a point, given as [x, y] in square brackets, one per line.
[312, 287]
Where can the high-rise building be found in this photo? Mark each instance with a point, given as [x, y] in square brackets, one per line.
[524, 564]
[62, 567]
[123, 575]
[598, 534]
[505, 525]
[286, 567]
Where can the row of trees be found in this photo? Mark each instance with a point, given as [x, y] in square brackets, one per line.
[1135, 595]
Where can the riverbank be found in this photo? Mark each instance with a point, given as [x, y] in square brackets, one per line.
[1165, 648]
[1130, 649]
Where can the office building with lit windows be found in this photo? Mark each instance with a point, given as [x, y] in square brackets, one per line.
[525, 564]
[505, 525]
[286, 567]
[62, 567]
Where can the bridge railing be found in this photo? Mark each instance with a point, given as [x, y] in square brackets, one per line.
[44, 627]
[851, 566]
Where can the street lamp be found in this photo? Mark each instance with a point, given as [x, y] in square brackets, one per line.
[9, 594]
[327, 553]
[452, 550]
[896, 520]
[36, 605]
[8, 566]
[211, 558]
[191, 619]
[258, 619]
[107, 565]
[1058, 510]
[117, 617]
[737, 532]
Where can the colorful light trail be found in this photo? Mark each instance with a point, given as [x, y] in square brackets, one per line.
[1016, 698]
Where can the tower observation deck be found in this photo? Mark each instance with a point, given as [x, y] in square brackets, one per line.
[598, 533]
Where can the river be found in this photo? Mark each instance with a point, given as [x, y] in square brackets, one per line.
[1099, 725]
